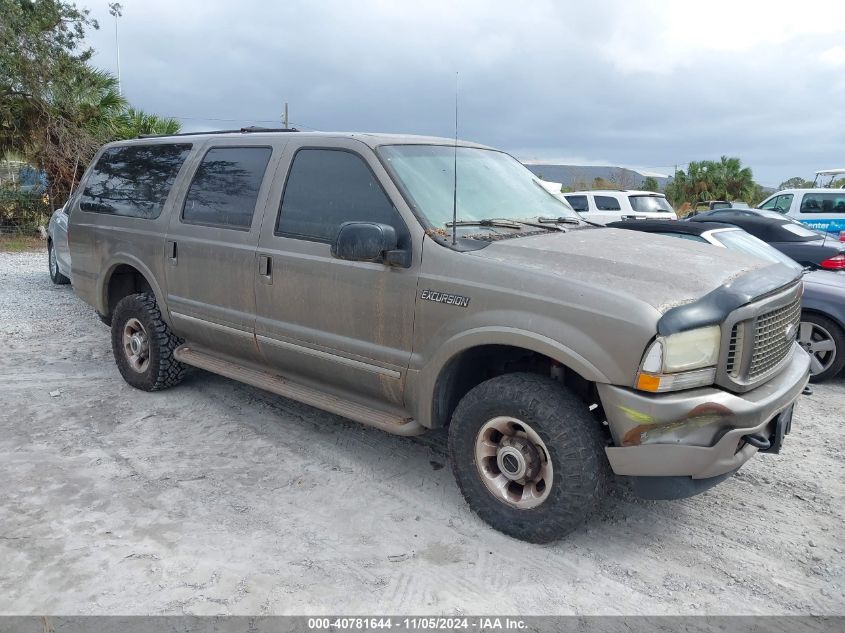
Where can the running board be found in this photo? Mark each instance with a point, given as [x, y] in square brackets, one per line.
[307, 395]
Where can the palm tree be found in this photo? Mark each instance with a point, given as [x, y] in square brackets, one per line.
[136, 122]
[734, 180]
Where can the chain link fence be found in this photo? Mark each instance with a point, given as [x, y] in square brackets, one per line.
[23, 213]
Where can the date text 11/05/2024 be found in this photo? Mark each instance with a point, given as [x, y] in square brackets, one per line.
[417, 624]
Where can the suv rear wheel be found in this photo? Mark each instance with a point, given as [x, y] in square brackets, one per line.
[528, 456]
[143, 345]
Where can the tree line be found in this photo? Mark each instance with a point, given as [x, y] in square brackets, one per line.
[56, 109]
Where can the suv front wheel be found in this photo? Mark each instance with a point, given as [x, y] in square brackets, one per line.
[528, 456]
[143, 344]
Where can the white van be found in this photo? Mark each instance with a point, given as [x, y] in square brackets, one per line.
[611, 205]
[820, 209]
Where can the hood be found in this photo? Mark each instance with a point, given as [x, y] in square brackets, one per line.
[660, 270]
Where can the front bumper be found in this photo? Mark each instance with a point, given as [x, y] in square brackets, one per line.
[695, 433]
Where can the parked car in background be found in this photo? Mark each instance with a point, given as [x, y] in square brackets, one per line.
[58, 254]
[807, 247]
[821, 331]
[821, 209]
[709, 206]
[607, 205]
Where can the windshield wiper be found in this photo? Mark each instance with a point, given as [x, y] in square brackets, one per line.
[560, 220]
[504, 224]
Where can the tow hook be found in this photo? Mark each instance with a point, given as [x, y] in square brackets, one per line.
[758, 441]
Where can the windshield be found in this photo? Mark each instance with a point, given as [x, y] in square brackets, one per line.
[739, 240]
[650, 204]
[491, 184]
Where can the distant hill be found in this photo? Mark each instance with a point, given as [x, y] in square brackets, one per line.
[571, 174]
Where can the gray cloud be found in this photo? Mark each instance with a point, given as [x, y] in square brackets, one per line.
[640, 84]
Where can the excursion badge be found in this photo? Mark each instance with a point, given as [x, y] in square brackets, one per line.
[444, 297]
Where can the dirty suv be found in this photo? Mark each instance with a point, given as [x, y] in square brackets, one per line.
[416, 283]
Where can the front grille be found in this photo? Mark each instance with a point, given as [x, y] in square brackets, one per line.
[774, 334]
[735, 350]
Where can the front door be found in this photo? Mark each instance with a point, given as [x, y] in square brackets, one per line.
[210, 248]
[336, 323]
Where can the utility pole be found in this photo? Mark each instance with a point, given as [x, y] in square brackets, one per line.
[286, 115]
[116, 10]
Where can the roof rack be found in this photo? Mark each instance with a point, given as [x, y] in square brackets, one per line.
[244, 130]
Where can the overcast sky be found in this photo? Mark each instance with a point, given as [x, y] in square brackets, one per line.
[634, 83]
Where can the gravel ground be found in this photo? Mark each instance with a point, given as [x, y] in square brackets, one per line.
[217, 498]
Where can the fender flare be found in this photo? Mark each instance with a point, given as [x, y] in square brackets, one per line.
[124, 259]
[430, 374]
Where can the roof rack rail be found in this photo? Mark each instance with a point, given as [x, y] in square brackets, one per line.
[244, 130]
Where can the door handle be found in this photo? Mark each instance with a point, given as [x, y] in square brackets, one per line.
[265, 269]
[171, 252]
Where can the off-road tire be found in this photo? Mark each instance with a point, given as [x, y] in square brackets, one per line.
[163, 369]
[574, 440]
[838, 337]
[55, 276]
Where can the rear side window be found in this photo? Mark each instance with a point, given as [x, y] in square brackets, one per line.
[224, 190]
[650, 204]
[607, 203]
[133, 180]
[823, 203]
[579, 203]
[328, 187]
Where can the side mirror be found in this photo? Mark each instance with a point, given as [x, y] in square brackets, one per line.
[369, 242]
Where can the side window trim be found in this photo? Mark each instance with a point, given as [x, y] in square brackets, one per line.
[261, 186]
[312, 238]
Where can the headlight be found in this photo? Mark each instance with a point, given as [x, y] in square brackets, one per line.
[681, 361]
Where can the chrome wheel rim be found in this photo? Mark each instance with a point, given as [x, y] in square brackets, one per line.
[52, 258]
[513, 462]
[819, 344]
[136, 345]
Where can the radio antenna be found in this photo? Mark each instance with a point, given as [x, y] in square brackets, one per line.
[455, 174]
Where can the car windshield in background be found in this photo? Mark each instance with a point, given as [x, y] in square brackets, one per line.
[739, 240]
[491, 184]
[650, 204]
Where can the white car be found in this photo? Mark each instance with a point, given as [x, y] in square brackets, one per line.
[819, 209]
[603, 206]
[57, 249]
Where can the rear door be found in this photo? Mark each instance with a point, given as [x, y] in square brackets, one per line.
[823, 211]
[341, 324]
[210, 245]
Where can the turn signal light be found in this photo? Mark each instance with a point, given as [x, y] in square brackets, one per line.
[837, 262]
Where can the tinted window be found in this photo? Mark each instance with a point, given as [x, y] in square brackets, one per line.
[606, 203]
[133, 180]
[579, 203]
[823, 203]
[328, 187]
[225, 188]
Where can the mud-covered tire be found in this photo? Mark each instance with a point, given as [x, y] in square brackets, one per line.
[53, 266]
[573, 438]
[831, 332]
[161, 370]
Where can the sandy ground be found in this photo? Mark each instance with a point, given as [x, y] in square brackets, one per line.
[217, 498]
